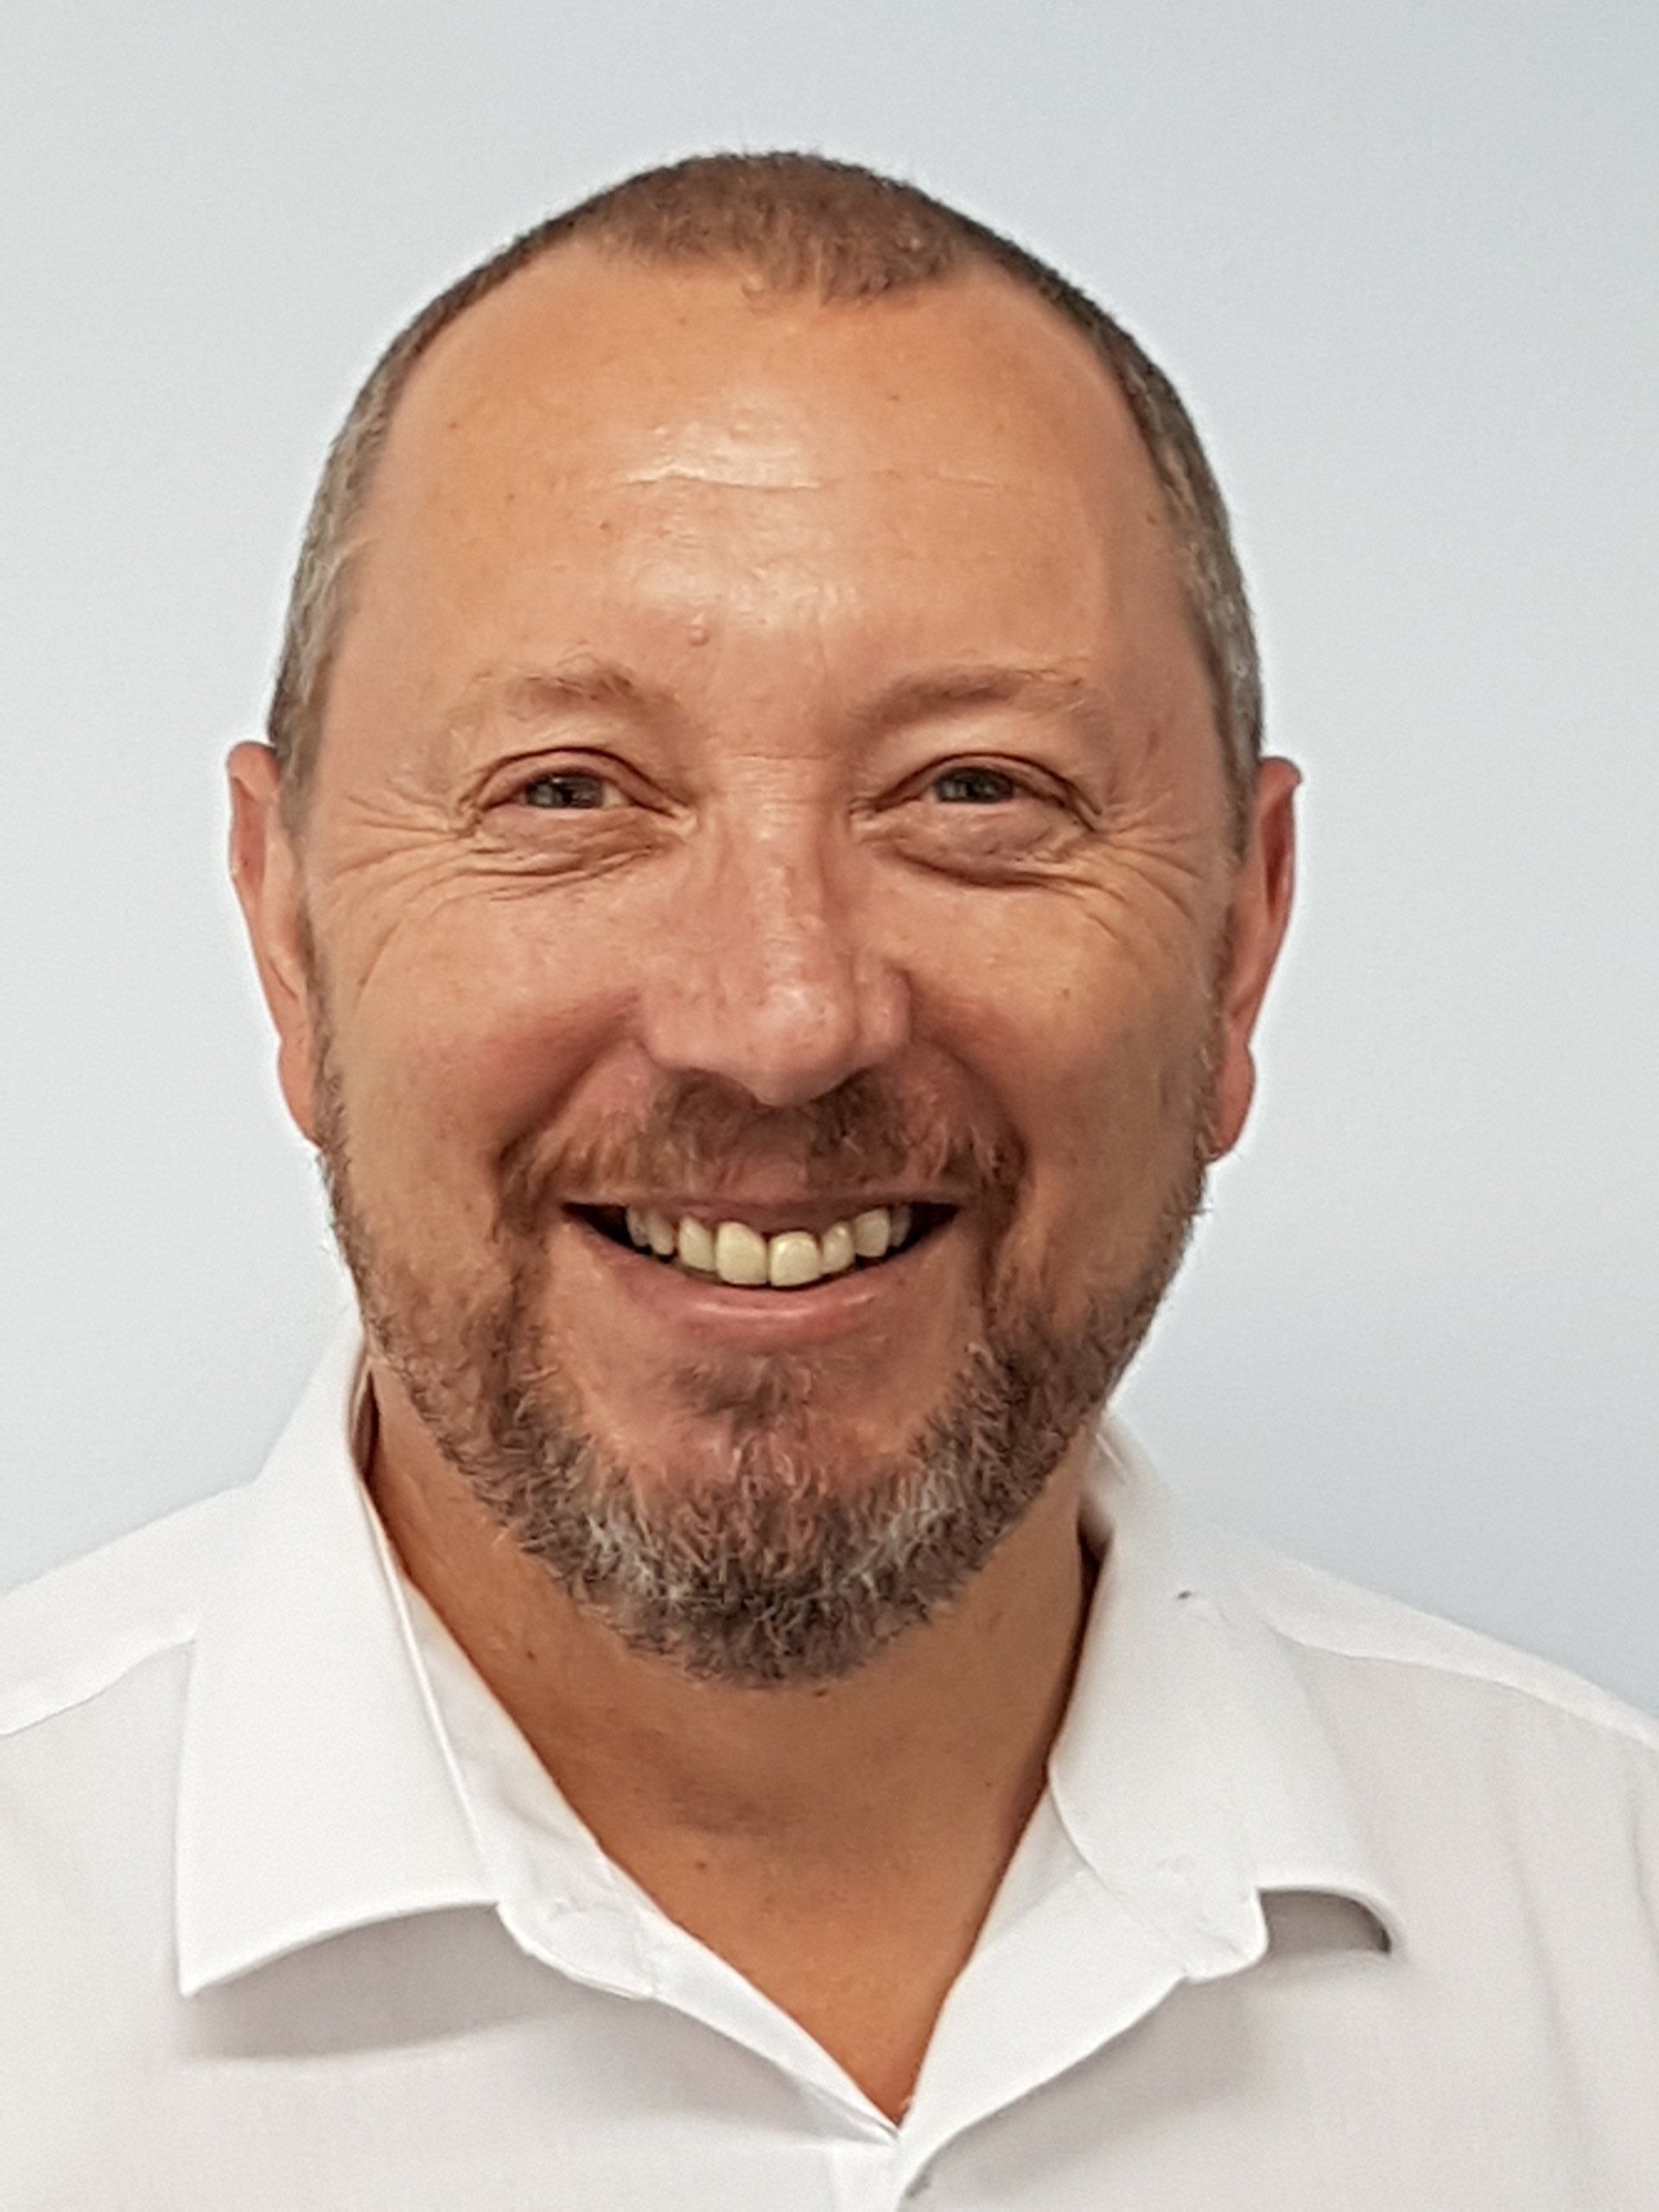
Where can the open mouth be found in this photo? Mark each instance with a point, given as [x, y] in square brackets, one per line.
[733, 1254]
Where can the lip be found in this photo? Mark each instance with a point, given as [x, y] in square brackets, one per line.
[762, 1320]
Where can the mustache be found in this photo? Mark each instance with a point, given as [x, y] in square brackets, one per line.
[701, 1133]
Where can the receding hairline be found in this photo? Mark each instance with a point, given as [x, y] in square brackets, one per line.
[791, 224]
[497, 351]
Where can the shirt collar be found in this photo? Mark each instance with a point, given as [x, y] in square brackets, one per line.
[315, 1789]
[1191, 1772]
[319, 1792]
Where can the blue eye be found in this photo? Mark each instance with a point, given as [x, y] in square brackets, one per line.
[570, 788]
[983, 786]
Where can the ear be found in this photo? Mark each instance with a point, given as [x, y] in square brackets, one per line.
[1260, 912]
[269, 888]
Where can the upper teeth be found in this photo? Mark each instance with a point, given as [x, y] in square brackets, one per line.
[737, 1253]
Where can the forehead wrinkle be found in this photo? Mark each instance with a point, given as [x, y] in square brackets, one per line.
[681, 472]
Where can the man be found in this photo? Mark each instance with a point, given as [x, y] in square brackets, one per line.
[764, 878]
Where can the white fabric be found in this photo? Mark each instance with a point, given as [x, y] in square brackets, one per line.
[1328, 1906]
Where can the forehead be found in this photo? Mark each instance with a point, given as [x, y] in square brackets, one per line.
[615, 355]
[600, 445]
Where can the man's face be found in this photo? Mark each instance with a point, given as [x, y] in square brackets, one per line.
[768, 778]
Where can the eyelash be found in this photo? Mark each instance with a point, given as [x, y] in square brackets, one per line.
[1017, 789]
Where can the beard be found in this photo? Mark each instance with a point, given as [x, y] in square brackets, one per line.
[780, 1571]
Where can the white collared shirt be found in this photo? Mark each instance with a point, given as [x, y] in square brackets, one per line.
[1328, 1907]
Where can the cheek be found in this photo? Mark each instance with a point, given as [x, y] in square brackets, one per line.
[1095, 1055]
[465, 1039]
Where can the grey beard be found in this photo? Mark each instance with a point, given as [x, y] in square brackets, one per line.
[780, 1571]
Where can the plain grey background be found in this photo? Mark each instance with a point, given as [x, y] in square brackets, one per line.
[1401, 258]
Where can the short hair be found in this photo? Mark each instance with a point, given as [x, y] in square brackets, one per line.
[794, 222]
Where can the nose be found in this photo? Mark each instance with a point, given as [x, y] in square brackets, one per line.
[768, 975]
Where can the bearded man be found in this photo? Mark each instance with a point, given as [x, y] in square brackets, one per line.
[764, 875]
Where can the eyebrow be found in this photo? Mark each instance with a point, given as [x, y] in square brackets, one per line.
[959, 689]
[536, 695]
[532, 693]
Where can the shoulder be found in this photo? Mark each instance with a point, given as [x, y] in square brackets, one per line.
[76, 1631]
[1392, 1650]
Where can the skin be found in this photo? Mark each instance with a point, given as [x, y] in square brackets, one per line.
[782, 520]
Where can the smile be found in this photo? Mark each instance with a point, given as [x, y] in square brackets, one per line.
[742, 1256]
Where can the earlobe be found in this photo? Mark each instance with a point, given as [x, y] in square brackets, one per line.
[266, 871]
[1259, 915]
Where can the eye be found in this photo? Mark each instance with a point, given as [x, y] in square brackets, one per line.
[978, 786]
[563, 790]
